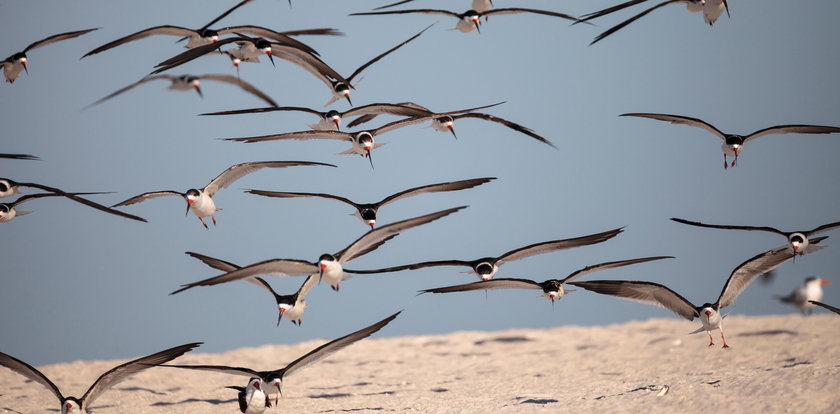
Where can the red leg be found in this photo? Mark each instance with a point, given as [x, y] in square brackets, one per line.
[214, 216]
[725, 164]
[711, 341]
[723, 339]
[203, 223]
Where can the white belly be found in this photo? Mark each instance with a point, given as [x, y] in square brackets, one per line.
[11, 70]
[203, 207]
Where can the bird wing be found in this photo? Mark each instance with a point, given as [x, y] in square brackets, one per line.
[215, 263]
[56, 38]
[102, 208]
[382, 55]
[823, 228]
[281, 194]
[553, 245]
[300, 135]
[412, 266]
[385, 108]
[28, 197]
[501, 283]
[333, 346]
[829, 307]
[376, 237]
[679, 119]
[132, 86]
[237, 171]
[269, 34]
[310, 281]
[271, 267]
[30, 372]
[610, 265]
[322, 31]
[196, 52]
[122, 372]
[631, 20]
[726, 226]
[19, 156]
[247, 87]
[749, 270]
[517, 10]
[792, 129]
[308, 62]
[146, 196]
[436, 188]
[512, 125]
[269, 109]
[644, 292]
[218, 368]
[393, 4]
[424, 11]
[227, 12]
[157, 30]
[608, 10]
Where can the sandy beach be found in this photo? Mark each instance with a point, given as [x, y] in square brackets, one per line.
[776, 364]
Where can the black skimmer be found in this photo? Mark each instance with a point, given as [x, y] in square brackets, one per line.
[8, 211]
[552, 288]
[289, 306]
[712, 9]
[363, 142]
[445, 121]
[16, 63]
[733, 144]
[329, 267]
[73, 405]
[331, 120]
[797, 241]
[810, 291]
[366, 212]
[485, 268]
[191, 82]
[19, 157]
[709, 313]
[252, 399]
[200, 201]
[254, 47]
[272, 381]
[823, 305]
[470, 19]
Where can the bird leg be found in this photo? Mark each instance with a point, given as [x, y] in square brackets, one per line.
[204, 224]
[725, 164]
[735, 160]
[214, 219]
[711, 341]
[723, 339]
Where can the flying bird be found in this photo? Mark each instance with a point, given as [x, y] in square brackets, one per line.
[810, 291]
[200, 201]
[712, 9]
[252, 399]
[552, 288]
[289, 306]
[329, 267]
[190, 82]
[8, 211]
[708, 313]
[273, 380]
[470, 19]
[733, 144]
[823, 305]
[485, 268]
[16, 63]
[366, 212]
[798, 242]
[73, 405]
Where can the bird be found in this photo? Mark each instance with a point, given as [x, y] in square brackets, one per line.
[254, 47]
[206, 36]
[712, 9]
[14, 64]
[486, 267]
[8, 211]
[329, 267]
[200, 201]
[188, 82]
[363, 142]
[823, 305]
[252, 399]
[552, 288]
[19, 157]
[105, 381]
[798, 242]
[733, 144]
[331, 120]
[801, 297]
[273, 380]
[366, 212]
[708, 313]
[289, 306]
[470, 19]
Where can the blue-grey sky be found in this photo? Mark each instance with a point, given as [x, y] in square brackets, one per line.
[79, 284]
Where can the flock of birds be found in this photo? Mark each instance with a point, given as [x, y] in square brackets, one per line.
[249, 44]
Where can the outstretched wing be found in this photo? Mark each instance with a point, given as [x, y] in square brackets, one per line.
[281, 194]
[122, 372]
[829, 307]
[792, 129]
[30, 372]
[146, 196]
[683, 120]
[749, 270]
[300, 135]
[157, 30]
[512, 125]
[56, 38]
[247, 87]
[436, 188]
[129, 87]
[631, 20]
[726, 226]
[501, 283]
[382, 55]
[237, 171]
[610, 265]
[271, 267]
[644, 292]
[553, 245]
[517, 10]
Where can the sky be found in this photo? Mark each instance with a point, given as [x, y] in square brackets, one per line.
[77, 284]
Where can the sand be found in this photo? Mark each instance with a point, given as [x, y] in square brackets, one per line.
[776, 364]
